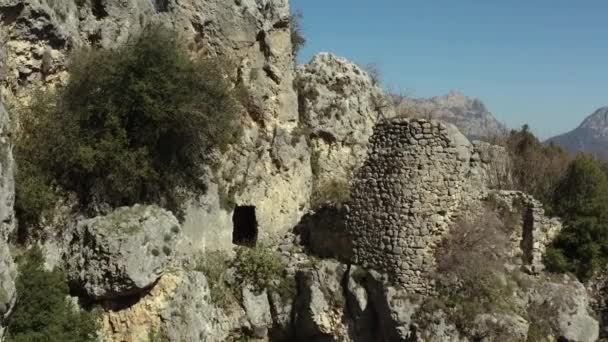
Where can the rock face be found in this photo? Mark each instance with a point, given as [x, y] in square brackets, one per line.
[176, 309]
[123, 253]
[7, 182]
[8, 273]
[590, 137]
[339, 106]
[254, 36]
[470, 115]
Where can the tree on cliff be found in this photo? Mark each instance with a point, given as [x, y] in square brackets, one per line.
[135, 124]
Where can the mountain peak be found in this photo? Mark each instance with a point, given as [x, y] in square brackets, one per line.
[597, 121]
[590, 137]
[470, 115]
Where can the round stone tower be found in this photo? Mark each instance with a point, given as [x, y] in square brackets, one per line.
[404, 196]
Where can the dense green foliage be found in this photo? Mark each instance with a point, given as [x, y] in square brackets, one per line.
[581, 199]
[42, 312]
[134, 124]
[264, 270]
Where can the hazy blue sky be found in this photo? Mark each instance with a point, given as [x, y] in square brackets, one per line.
[542, 62]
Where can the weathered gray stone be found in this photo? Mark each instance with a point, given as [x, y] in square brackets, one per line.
[339, 106]
[319, 308]
[191, 316]
[257, 309]
[7, 182]
[394, 308]
[122, 253]
[8, 274]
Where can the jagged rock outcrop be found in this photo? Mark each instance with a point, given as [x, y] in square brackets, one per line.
[320, 306]
[339, 105]
[123, 253]
[590, 137]
[470, 115]
[178, 308]
[564, 303]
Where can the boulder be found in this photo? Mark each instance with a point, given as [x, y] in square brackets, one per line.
[122, 253]
[257, 308]
[319, 308]
[569, 304]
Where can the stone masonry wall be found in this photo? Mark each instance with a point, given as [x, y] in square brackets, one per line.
[404, 196]
[536, 232]
[418, 177]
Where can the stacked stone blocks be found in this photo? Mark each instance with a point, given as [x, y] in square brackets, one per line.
[403, 198]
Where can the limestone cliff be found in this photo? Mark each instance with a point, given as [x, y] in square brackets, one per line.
[413, 180]
[253, 36]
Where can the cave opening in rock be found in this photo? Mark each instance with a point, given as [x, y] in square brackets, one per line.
[245, 226]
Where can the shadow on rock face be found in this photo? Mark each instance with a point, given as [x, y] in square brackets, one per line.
[324, 233]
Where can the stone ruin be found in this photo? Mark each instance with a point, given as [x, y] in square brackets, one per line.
[419, 175]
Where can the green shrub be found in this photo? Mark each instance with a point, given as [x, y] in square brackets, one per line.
[136, 124]
[42, 312]
[581, 199]
[262, 269]
[214, 265]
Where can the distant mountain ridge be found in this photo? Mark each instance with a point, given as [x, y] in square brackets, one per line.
[590, 137]
[470, 115]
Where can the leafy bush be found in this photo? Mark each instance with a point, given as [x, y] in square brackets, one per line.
[297, 38]
[581, 199]
[262, 269]
[136, 124]
[214, 265]
[42, 312]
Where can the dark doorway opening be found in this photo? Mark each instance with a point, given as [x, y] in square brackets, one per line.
[245, 226]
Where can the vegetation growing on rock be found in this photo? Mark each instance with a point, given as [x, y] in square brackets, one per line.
[136, 124]
[537, 167]
[42, 312]
[581, 199]
[297, 37]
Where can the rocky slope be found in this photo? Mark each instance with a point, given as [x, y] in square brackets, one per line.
[470, 115]
[590, 137]
[152, 277]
